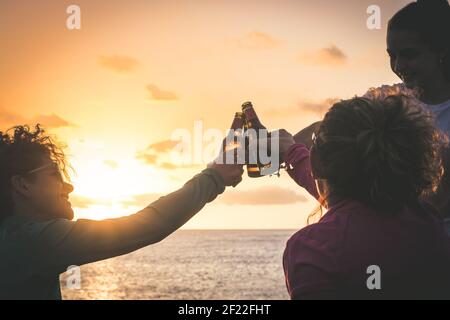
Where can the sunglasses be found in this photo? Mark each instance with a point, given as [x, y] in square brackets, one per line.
[53, 166]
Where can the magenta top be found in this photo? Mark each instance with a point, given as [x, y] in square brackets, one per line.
[354, 249]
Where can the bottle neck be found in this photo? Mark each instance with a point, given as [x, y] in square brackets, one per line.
[238, 123]
[252, 119]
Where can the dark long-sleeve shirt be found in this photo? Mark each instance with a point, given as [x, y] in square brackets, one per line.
[333, 258]
[34, 254]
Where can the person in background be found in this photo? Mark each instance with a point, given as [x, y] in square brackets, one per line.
[372, 163]
[418, 44]
[39, 240]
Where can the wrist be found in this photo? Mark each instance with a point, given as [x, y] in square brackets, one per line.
[296, 152]
[216, 177]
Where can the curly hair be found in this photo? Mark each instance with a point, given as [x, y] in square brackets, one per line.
[383, 152]
[22, 150]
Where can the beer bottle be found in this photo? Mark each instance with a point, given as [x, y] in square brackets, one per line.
[234, 138]
[254, 170]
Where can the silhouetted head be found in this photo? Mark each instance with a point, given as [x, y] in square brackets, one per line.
[385, 153]
[32, 174]
[418, 42]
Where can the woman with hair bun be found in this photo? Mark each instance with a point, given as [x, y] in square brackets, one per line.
[374, 160]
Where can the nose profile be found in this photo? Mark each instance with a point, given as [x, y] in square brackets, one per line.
[68, 187]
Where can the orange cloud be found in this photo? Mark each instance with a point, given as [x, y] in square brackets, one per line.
[163, 146]
[262, 196]
[81, 202]
[51, 121]
[118, 63]
[258, 41]
[316, 107]
[9, 119]
[330, 56]
[158, 94]
[147, 158]
[142, 200]
[157, 155]
[320, 108]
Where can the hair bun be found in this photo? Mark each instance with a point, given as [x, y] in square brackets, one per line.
[434, 4]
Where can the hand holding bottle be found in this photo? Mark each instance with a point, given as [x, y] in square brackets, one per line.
[284, 139]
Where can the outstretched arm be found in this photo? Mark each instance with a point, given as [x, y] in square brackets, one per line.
[299, 168]
[304, 136]
[296, 156]
[57, 244]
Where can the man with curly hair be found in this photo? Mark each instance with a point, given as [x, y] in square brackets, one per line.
[39, 240]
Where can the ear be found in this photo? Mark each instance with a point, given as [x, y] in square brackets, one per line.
[316, 165]
[20, 185]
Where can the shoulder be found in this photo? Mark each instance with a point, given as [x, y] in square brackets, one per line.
[22, 229]
[312, 256]
[319, 243]
[327, 237]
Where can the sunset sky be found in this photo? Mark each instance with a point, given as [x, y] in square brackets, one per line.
[116, 90]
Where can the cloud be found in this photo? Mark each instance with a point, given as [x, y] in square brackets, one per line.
[119, 64]
[316, 107]
[82, 202]
[159, 155]
[262, 196]
[9, 119]
[142, 200]
[258, 41]
[330, 56]
[167, 165]
[147, 158]
[163, 146]
[157, 161]
[51, 121]
[111, 163]
[172, 166]
[158, 94]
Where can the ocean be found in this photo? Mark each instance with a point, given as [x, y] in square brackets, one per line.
[191, 264]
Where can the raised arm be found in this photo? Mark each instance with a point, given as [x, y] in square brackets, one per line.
[297, 159]
[304, 136]
[299, 168]
[60, 243]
